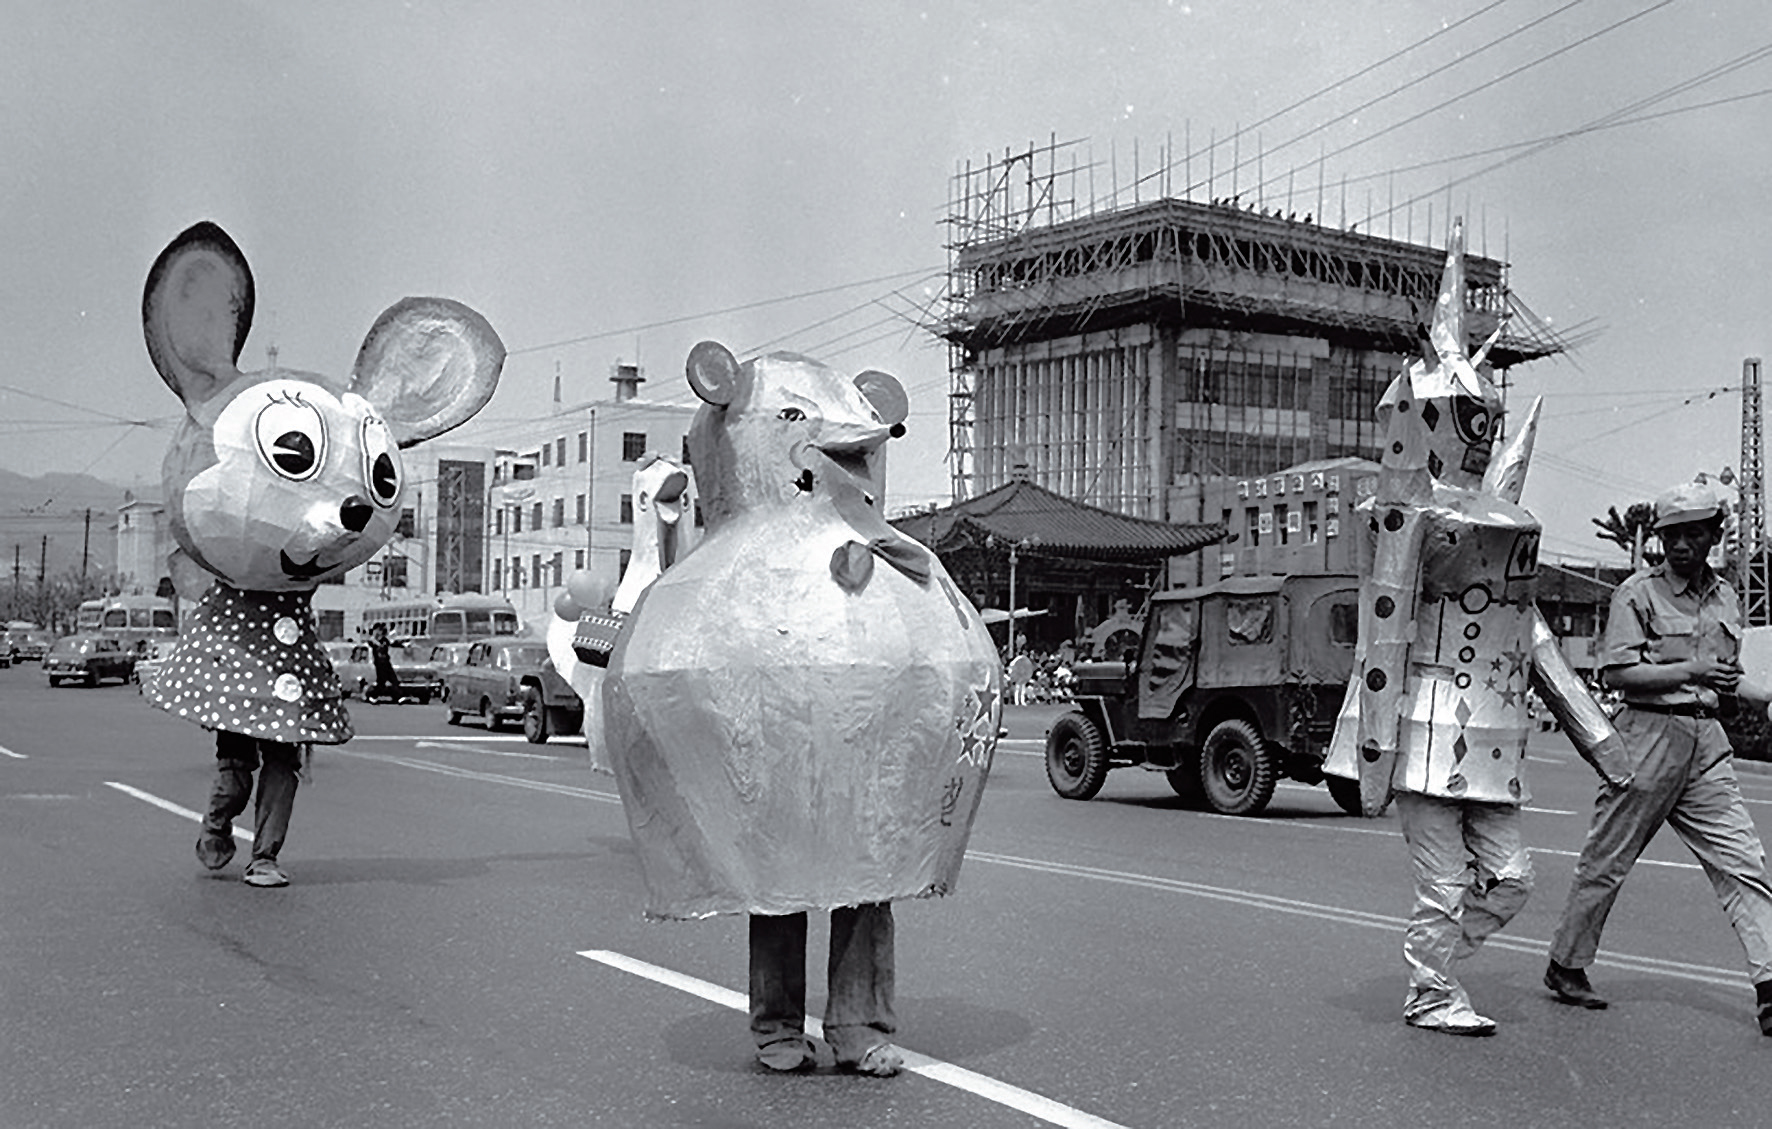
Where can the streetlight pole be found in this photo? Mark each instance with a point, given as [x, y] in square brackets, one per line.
[1014, 647]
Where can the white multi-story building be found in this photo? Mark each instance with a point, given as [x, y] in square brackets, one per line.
[566, 503]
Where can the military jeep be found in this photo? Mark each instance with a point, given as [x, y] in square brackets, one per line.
[1232, 686]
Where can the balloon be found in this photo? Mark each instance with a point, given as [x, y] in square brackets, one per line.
[583, 587]
[566, 607]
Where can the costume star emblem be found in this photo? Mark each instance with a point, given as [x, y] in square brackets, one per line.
[978, 726]
[1517, 659]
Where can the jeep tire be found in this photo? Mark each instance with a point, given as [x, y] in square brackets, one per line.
[1076, 757]
[1238, 768]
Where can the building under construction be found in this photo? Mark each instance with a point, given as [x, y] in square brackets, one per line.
[1130, 355]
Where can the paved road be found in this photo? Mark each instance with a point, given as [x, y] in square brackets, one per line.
[462, 947]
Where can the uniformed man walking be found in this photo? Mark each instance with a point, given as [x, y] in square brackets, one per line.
[1672, 647]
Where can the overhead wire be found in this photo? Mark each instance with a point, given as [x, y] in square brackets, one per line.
[1605, 121]
[1564, 135]
[740, 308]
[1322, 92]
[1487, 84]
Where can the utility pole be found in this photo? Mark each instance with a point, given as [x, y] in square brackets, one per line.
[85, 549]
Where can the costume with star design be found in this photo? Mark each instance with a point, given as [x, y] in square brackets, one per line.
[1450, 643]
[801, 713]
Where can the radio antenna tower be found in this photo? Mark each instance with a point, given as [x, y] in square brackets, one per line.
[1756, 591]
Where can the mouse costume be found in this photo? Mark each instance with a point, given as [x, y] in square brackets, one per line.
[251, 663]
[801, 714]
[274, 483]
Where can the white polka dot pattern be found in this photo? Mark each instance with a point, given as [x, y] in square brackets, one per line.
[251, 663]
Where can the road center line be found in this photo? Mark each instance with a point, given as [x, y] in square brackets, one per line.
[464, 747]
[979, 1085]
[1702, 973]
[167, 805]
[483, 777]
[15, 756]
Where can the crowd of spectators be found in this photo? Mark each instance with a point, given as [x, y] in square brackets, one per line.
[1038, 676]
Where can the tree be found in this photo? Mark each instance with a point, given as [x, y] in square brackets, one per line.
[1632, 532]
[52, 601]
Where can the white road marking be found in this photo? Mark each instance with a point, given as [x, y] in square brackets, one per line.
[463, 747]
[15, 756]
[1680, 969]
[499, 738]
[1349, 828]
[483, 777]
[167, 805]
[936, 1070]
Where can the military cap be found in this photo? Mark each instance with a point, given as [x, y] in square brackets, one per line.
[1687, 502]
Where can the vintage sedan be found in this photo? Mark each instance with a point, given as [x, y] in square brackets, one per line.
[88, 658]
[412, 670]
[510, 681]
[338, 652]
[32, 645]
[23, 642]
[441, 658]
[151, 660]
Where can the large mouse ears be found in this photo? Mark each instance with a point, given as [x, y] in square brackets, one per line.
[713, 372]
[196, 311]
[428, 365]
[886, 394]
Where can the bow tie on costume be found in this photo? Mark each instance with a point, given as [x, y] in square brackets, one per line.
[852, 565]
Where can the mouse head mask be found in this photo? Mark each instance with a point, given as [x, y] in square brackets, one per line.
[278, 480]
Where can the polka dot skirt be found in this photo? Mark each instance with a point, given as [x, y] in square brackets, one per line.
[251, 663]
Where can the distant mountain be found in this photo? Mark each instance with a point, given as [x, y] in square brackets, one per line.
[55, 506]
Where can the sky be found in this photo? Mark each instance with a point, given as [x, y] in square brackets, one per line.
[617, 181]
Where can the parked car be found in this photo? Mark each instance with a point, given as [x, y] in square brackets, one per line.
[513, 680]
[23, 641]
[151, 660]
[1233, 686]
[356, 672]
[441, 658]
[339, 652]
[33, 645]
[88, 658]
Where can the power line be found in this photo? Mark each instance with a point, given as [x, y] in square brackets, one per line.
[1605, 121]
[1555, 138]
[925, 271]
[1394, 91]
[1336, 85]
[1488, 83]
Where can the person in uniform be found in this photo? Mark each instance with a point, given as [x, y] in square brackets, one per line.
[1672, 647]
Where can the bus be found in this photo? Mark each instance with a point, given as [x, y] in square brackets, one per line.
[467, 616]
[473, 616]
[131, 620]
[403, 618]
